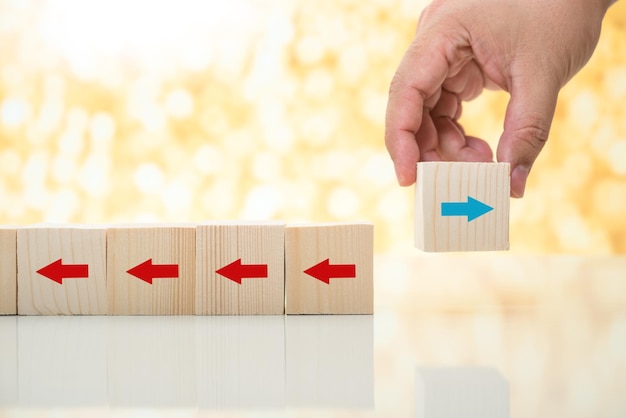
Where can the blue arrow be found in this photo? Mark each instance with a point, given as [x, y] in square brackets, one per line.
[472, 209]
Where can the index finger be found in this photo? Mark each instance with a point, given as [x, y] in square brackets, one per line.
[420, 74]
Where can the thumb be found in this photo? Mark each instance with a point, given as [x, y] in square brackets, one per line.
[526, 127]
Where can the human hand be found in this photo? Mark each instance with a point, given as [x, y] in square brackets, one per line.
[529, 49]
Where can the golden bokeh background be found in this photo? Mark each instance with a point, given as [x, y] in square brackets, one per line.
[249, 109]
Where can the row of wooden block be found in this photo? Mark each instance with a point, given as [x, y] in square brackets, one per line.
[205, 269]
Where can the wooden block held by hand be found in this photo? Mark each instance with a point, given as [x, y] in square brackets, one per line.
[61, 270]
[240, 269]
[8, 271]
[462, 206]
[151, 269]
[329, 269]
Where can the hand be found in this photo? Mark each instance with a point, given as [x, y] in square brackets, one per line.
[529, 49]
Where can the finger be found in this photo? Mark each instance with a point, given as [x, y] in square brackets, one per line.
[448, 105]
[455, 146]
[419, 76]
[468, 83]
[526, 127]
[427, 139]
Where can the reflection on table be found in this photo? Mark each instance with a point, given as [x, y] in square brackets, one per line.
[263, 362]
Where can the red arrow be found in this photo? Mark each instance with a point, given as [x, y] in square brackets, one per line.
[57, 271]
[324, 271]
[236, 271]
[147, 271]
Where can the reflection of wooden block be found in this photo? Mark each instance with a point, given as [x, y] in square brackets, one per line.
[8, 271]
[330, 361]
[240, 362]
[240, 269]
[152, 362]
[462, 206]
[61, 270]
[8, 362]
[62, 362]
[469, 392]
[328, 269]
[151, 270]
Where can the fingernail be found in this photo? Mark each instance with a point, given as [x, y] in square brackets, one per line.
[518, 180]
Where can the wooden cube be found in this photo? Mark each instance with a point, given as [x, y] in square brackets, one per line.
[151, 269]
[8, 271]
[329, 269]
[240, 269]
[462, 206]
[61, 270]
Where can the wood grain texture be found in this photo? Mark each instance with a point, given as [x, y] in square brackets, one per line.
[307, 246]
[8, 271]
[128, 247]
[219, 245]
[39, 246]
[439, 182]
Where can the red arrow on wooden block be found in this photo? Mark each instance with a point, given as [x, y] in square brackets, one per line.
[236, 271]
[147, 271]
[325, 271]
[57, 271]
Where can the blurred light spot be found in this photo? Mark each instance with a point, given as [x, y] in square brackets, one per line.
[333, 165]
[393, 204]
[148, 178]
[617, 157]
[147, 217]
[36, 197]
[35, 169]
[218, 200]
[377, 170]
[262, 202]
[278, 138]
[609, 199]
[63, 206]
[179, 104]
[309, 50]
[197, 55]
[318, 84]
[342, 203]
[208, 159]
[101, 129]
[176, 198]
[94, 174]
[352, 64]
[10, 162]
[266, 166]
[573, 232]
[77, 120]
[583, 110]
[63, 169]
[153, 118]
[373, 106]
[14, 112]
[71, 144]
[317, 129]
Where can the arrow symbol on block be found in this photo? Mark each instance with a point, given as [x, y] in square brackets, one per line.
[236, 271]
[57, 271]
[472, 209]
[325, 271]
[147, 271]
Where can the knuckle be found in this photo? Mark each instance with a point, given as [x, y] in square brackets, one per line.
[534, 132]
